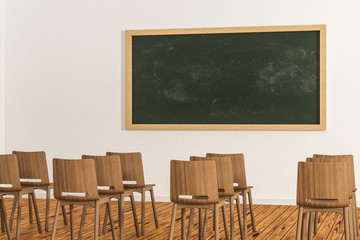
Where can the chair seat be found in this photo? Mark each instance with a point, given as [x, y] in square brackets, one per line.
[27, 189]
[247, 189]
[126, 193]
[137, 189]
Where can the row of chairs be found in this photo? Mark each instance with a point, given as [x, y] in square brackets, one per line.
[326, 183]
[207, 183]
[90, 181]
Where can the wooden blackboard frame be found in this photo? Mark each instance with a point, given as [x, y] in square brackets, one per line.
[296, 127]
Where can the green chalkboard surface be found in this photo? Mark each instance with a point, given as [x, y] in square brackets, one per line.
[226, 78]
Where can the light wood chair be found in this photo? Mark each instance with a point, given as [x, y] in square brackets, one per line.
[322, 187]
[34, 173]
[10, 185]
[75, 184]
[226, 190]
[109, 176]
[194, 185]
[4, 223]
[348, 159]
[133, 176]
[240, 185]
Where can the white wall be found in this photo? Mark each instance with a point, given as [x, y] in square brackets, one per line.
[65, 84]
[2, 75]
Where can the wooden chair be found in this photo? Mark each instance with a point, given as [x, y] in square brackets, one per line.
[34, 173]
[226, 190]
[240, 186]
[348, 159]
[75, 184]
[133, 176]
[4, 222]
[109, 175]
[322, 187]
[10, 185]
[194, 185]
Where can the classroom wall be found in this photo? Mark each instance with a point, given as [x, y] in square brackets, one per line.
[65, 85]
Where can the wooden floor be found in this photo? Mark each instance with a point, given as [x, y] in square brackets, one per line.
[272, 222]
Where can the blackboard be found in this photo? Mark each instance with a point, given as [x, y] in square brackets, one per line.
[236, 78]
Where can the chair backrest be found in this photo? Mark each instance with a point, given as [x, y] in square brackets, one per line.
[349, 163]
[193, 182]
[238, 168]
[33, 168]
[108, 173]
[132, 169]
[322, 185]
[348, 158]
[223, 172]
[75, 180]
[9, 173]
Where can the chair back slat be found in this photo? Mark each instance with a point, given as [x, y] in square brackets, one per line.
[322, 185]
[9, 173]
[238, 168]
[108, 173]
[193, 182]
[33, 165]
[132, 169]
[223, 172]
[348, 158]
[75, 180]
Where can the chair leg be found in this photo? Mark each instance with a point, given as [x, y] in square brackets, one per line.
[347, 223]
[72, 222]
[200, 224]
[305, 227]
[251, 211]
[142, 212]
[244, 213]
[136, 222]
[216, 219]
[47, 209]
[83, 216]
[232, 230]
[316, 222]
[55, 220]
[190, 223]
[225, 222]
[97, 220]
[154, 207]
[18, 217]
[64, 215]
[30, 210]
[36, 212]
[299, 223]
[121, 216]
[351, 221]
[239, 218]
[105, 222]
[108, 207]
[356, 215]
[172, 224]
[183, 223]
[4, 218]
[354, 219]
[205, 222]
[12, 216]
[311, 226]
